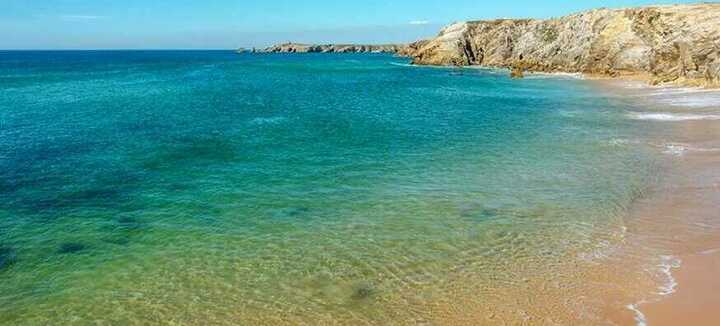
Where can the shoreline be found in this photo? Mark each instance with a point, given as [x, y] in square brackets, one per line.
[674, 223]
[687, 206]
[645, 79]
[681, 285]
[677, 220]
[648, 79]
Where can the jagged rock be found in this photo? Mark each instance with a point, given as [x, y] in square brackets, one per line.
[678, 43]
[517, 73]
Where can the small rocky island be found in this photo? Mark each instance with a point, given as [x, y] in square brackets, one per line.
[661, 44]
[332, 48]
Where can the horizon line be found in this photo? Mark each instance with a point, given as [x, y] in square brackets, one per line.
[124, 49]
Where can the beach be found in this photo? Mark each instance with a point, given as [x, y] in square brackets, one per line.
[662, 268]
[685, 223]
[679, 219]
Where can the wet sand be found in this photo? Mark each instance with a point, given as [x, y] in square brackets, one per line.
[692, 212]
[697, 300]
[680, 221]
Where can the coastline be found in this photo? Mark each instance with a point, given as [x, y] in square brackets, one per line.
[668, 257]
[686, 207]
[677, 221]
[653, 42]
[644, 80]
[663, 270]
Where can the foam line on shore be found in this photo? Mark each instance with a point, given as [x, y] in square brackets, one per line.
[665, 268]
[679, 149]
[661, 91]
[710, 251]
[640, 318]
[554, 75]
[672, 117]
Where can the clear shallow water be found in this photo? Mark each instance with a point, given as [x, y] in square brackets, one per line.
[212, 187]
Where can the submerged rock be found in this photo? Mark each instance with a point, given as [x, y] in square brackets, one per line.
[8, 257]
[678, 43]
[291, 212]
[480, 212]
[120, 240]
[363, 291]
[191, 151]
[71, 248]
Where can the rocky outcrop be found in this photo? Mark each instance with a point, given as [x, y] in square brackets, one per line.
[332, 48]
[679, 43]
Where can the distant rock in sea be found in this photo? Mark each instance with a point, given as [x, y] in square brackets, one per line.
[332, 48]
[246, 50]
[676, 43]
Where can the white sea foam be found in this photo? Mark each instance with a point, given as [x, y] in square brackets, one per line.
[675, 149]
[640, 318]
[619, 142]
[554, 75]
[695, 101]
[667, 287]
[673, 117]
[409, 65]
[623, 142]
[662, 91]
[635, 85]
[704, 149]
[679, 149]
[684, 97]
[667, 264]
[710, 251]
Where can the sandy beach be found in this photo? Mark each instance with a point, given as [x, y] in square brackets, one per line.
[689, 210]
[679, 220]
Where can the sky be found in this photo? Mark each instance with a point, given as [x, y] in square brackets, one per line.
[229, 24]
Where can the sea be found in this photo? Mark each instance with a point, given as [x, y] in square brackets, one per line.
[217, 188]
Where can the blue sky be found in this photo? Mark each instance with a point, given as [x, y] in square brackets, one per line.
[185, 24]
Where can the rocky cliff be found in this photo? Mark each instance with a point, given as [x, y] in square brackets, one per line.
[331, 48]
[679, 43]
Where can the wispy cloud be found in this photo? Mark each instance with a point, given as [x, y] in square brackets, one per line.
[81, 18]
[419, 22]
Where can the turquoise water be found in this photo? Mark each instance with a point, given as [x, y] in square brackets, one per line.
[218, 188]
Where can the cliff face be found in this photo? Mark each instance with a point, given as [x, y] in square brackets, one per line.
[679, 43]
[332, 48]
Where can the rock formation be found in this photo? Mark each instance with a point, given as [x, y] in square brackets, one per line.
[678, 43]
[332, 48]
